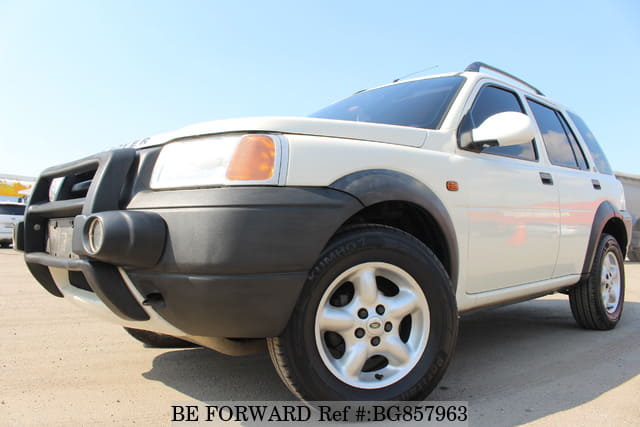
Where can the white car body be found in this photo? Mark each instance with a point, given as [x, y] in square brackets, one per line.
[538, 233]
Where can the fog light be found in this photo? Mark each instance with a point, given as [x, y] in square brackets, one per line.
[95, 234]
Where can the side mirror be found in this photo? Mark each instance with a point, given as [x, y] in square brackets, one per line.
[503, 129]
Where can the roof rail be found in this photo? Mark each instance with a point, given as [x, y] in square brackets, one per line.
[477, 65]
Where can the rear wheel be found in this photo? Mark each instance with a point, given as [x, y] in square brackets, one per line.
[596, 303]
[376, 320]
[153, 339]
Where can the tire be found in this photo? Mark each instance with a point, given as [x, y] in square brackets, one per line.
[153, 339]
[330, 350]
[596, 302]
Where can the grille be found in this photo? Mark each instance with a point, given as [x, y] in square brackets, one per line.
[93, 184]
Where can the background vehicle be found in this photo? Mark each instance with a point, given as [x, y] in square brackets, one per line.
[10, 215]
[348, 242]
[634, 246]
[631, 184]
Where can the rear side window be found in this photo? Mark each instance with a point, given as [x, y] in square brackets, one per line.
[493, 100]
[11, 210]
[592, 144]
[561, 144]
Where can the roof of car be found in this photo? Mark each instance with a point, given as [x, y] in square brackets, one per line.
[473, 70]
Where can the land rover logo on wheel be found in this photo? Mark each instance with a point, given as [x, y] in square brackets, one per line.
[374, 325]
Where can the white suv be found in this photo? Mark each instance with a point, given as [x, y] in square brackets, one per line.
[10, 214]
[348, 242]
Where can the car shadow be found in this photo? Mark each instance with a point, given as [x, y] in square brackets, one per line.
[513, 364]
[207, 375]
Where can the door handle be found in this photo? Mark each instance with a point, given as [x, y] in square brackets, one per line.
[596, 184]
[546, 178]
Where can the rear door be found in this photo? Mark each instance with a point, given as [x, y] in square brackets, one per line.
[582, 187]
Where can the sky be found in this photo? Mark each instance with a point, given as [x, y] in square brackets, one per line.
[80, 77]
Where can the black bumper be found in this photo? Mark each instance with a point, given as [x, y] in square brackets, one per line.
[227, 262]
[235, 259]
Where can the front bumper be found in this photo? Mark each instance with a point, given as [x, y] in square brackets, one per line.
[217, 262]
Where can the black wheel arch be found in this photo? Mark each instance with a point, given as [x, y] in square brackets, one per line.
[608, 220]
[383, 188]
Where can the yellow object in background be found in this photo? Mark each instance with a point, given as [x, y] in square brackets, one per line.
[13, 188]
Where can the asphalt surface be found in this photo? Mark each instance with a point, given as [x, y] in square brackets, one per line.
[523, 364]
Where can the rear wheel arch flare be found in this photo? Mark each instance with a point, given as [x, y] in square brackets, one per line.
[607, 220]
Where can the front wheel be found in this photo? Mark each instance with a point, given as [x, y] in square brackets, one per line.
[376, 320]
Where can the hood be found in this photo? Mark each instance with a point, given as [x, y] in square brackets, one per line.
[390, 134]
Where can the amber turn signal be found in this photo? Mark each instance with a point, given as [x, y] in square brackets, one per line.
[253, 160]
[452, 186]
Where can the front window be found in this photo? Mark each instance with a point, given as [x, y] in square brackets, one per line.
[493, 100]
[418, 103]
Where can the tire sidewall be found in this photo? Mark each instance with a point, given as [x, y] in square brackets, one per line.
[397, 249]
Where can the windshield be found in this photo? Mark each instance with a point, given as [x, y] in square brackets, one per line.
[418, 103]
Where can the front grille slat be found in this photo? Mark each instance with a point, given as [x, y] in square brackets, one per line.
[76, 186]
[80, 189]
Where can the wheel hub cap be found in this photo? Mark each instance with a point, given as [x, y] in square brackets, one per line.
[375, 327]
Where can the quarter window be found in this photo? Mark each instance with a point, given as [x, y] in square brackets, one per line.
[592, 145]
[493, 100]
[577, 151]
[561, 144]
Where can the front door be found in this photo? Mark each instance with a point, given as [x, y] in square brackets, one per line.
[512, 207]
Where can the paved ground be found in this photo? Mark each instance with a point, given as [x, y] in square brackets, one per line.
[526, 363]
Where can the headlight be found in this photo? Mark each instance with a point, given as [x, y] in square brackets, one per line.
[253, 159]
